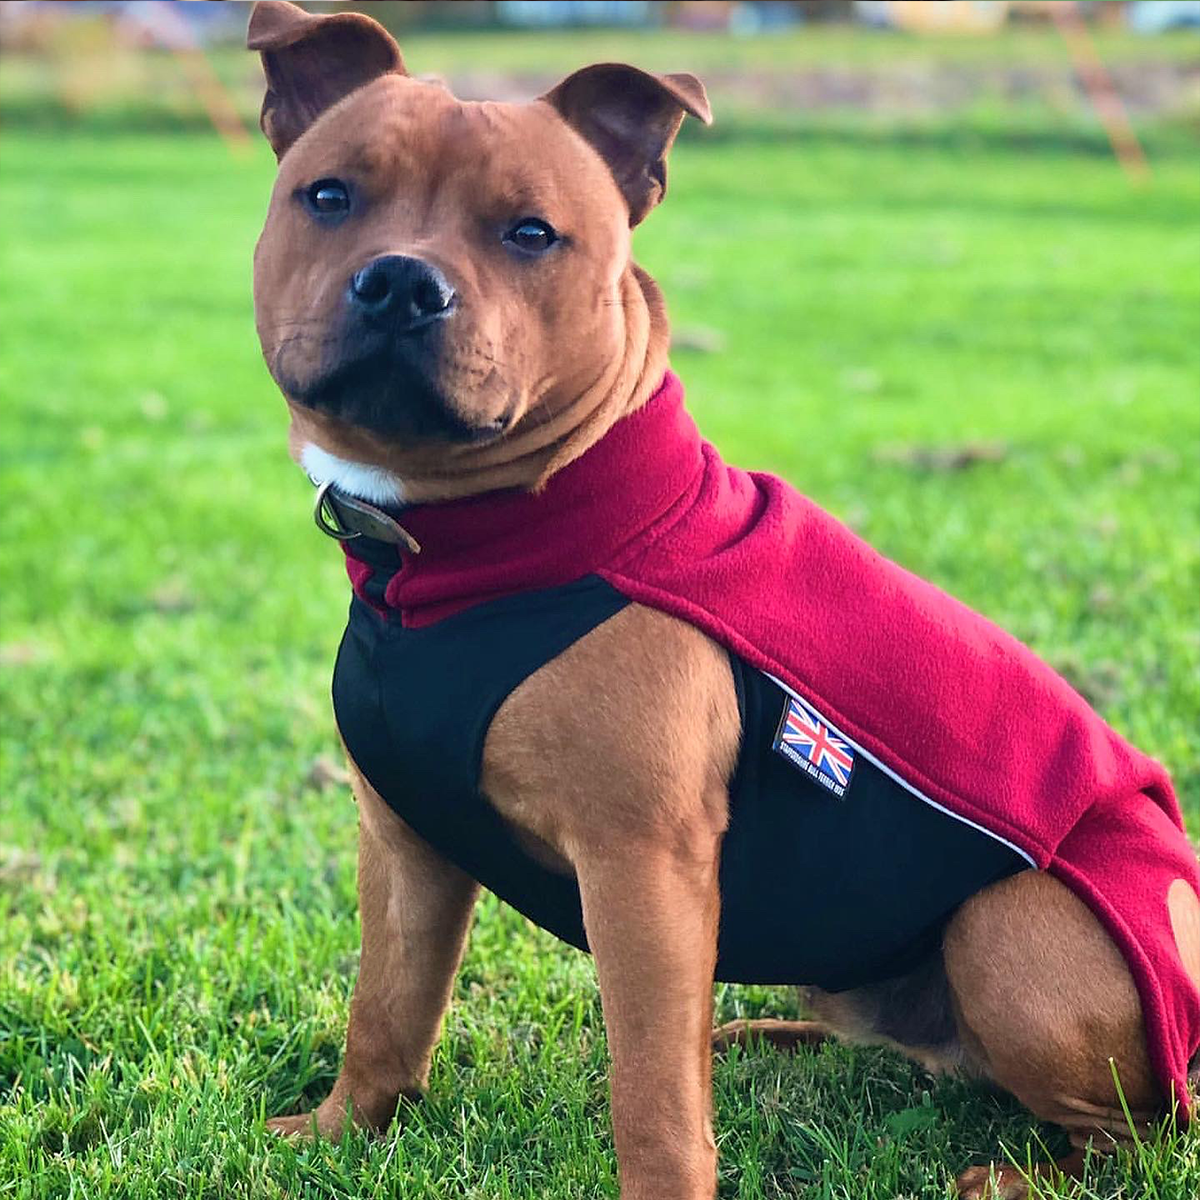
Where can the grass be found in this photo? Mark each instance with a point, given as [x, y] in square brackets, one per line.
[179, 940]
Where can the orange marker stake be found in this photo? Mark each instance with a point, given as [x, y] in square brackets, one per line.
[1101, 91]
[218, 104]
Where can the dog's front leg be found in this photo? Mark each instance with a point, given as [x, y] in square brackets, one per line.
[415, 909]
[651, 914]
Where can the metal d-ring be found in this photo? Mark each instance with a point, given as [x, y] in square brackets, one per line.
[325, 515]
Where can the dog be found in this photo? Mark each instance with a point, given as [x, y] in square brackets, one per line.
[671, 711]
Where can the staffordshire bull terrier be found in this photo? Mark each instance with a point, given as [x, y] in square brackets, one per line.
[670, 710]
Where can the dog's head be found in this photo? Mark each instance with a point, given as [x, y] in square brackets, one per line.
[437, 278]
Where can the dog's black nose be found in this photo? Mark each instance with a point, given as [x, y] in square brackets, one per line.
[406, 292]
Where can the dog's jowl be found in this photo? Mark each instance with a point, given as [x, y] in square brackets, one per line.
[669, 709]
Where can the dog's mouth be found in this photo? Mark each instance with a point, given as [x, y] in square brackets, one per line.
[386, 393]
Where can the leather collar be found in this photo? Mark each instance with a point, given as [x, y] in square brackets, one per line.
[345, 517]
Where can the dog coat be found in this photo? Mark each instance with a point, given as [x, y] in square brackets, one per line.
[899, 752]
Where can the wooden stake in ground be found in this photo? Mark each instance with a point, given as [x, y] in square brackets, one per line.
[1101, 91]
[170, 30]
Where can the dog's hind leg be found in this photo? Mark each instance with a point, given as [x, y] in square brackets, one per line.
[1028, 992]
[415, 909]
[1046, 1008]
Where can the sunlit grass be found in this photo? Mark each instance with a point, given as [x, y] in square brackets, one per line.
[179, 938]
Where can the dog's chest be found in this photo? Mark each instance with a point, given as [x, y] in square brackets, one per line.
[833, 873]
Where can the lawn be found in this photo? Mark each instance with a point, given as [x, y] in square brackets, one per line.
[984, 354]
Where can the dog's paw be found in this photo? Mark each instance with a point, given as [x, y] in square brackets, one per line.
[300, 1126]
[993, 1182]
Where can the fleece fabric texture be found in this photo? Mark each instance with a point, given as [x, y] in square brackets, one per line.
[961, 712]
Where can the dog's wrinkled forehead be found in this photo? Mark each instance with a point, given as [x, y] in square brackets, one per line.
[412, 139]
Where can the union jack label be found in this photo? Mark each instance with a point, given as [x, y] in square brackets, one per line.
[805, 740]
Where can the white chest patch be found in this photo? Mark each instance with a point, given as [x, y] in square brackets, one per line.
[373, 484]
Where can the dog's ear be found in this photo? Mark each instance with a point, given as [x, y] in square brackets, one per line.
[311, 62]
[631, 118]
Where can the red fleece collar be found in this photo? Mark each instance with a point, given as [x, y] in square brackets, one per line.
[503, 542]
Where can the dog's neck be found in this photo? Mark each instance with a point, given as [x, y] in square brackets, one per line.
[634, 381]
[516, 540]
[553, 434]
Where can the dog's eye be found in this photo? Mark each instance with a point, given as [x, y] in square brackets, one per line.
[328, 197]
[531, 235]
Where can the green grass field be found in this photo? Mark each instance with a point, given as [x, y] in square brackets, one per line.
[178, 936]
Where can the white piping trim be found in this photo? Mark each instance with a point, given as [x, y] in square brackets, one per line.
[908, 787]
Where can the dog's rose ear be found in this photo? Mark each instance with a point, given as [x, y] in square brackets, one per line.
[631, 118]
[311, 62]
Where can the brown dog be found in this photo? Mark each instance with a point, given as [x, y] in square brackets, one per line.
[529, 368]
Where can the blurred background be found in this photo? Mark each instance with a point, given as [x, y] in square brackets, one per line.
[147, 65]
[937, 263]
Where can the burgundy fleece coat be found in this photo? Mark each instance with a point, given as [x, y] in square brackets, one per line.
[963, 713]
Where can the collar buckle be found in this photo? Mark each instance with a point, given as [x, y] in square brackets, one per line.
[327, 518]
[344, 518]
